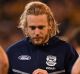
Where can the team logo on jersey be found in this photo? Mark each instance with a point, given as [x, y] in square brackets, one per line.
[51, 60]
[24, 57]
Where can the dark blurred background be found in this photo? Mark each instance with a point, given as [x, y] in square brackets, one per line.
[66, 13]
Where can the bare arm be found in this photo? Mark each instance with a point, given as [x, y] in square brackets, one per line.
[4, 65]
[76, 67]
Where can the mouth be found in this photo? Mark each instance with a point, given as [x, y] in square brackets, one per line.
[37, 38]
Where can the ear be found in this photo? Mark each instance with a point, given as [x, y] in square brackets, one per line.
[49, 29]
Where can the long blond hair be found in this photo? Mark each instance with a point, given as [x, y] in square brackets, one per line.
[38, 8]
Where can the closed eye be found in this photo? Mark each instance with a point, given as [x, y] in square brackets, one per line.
[41, 27]
[32, 27]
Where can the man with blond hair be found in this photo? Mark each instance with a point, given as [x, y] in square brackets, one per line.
[40, 52]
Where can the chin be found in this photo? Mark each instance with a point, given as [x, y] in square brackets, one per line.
[37, 43]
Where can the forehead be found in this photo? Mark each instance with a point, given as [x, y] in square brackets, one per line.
[37, 19]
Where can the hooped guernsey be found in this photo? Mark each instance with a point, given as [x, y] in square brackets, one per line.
[56, 56]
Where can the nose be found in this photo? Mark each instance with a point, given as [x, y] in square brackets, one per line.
[37, 31]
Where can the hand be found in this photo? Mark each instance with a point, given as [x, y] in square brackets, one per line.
[40, 71]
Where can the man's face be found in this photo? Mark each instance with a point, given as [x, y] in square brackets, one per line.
[38, 28]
